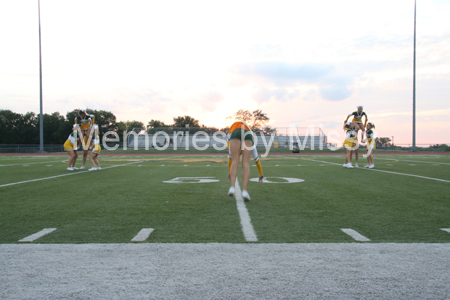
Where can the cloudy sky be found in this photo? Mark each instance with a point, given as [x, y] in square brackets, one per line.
[302, 62]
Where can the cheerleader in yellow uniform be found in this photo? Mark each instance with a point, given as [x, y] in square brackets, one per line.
[351, 144]
[85, 122]
[370, 145]
[241, 141]
[95, 151]
[357, 117]
[71, 145]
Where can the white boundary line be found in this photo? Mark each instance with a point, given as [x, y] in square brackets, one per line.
[416, 161]
[62, 175]
[355, 235]
[143, 235]
[247, 227]
[37, 235]
[24, 163]
[446, 229]
[378, 170]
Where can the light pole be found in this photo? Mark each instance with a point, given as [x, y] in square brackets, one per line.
[414, 85]
[41, 116]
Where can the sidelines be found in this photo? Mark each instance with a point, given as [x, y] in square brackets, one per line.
[396, 173]
[247, 227]
[62, 175]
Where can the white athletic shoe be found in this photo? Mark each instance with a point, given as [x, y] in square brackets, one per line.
[349, 165]
[98, 168]
[371, 166]
[246, 196]
[75, 168]
[93, 169]
[82, 167]
[231, 191]
[356, 166]
[345, 165]
[366, 166]
[70, 169]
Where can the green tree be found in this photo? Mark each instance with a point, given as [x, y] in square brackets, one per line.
[28, 130]
[256, 120]
[54, 129]
[130, 125]
[186, 120]
[156, 123]
[16, 128]
[383, 142]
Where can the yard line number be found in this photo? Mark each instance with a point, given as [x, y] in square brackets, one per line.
[213, 179]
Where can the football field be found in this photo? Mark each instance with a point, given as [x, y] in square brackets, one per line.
[183, 199]
[163, 227]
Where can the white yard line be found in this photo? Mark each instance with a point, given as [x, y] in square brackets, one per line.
[37, 235]
[247, 227]
[355, 235]
[62, 175]
[378, 170]
[446, 229]
[416, 161]
[42, 162]
[143, 235]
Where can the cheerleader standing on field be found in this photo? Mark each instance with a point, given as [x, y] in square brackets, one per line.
[71, 145]
[370, 145]
[95, 151]
[357, 117]
[350, 144]
[241, 133]
[85, 121]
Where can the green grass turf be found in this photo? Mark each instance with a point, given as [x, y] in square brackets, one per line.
[114, 204]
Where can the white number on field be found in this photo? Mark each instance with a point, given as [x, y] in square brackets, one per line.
[278, 180]
[192, 180]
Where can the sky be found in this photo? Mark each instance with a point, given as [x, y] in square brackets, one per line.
[301, 62]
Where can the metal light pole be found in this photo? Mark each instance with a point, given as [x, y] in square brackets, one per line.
[414, 85]
[41, 116]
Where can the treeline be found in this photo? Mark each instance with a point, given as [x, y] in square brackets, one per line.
[18, 128]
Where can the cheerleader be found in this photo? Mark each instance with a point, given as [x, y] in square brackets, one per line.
[351, 144]
[95, 151]
[241, 135]
[370, 145]
[85, 121]
[71, 145]
[357, 117]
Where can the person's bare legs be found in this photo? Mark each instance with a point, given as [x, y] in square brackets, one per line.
[235, 149]
[92, 160]
[85, 155]
[348, 157]
[96, 160]
[71, 157]
[75, 158]
[246, 164]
